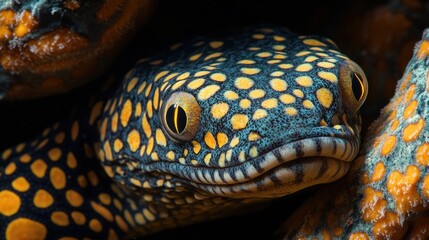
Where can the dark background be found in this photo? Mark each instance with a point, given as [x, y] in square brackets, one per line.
[173, 21]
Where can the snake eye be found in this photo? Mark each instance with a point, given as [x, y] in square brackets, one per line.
[353, 84]
[180, 116]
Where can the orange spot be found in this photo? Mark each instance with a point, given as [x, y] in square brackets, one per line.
[58, 178]
[75, 130]
[410, 92]
[410, 109]
[21, 184]
[25, 23]
[358, 236]
[9, 203]
[43, 199]
[74, 198]
[126, 113]
[112, 235]
[114, 123]
[33, 230]
[326, 235]
[394, 125]
[95, 225]
[388, 145]
[379, 171]
[423, 49]
[93, 178]
[121, 223]
[60, 218]
[373, 205]
[422, 154]
[133, 140]
[39, 168]
[71, 160]
[7, 17]
[387, 226]
[412, 131]
[405, 82]
[403, 189]
[104, 212]
[78, 217]
[55, 154]
[25, 158]
[210, 140]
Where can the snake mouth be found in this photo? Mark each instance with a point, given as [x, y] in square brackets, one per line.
[281, 171]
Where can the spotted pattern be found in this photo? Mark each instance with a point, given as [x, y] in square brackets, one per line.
[190, 134]
[385, 195]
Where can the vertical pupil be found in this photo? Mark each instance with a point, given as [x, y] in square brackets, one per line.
[176, 118]
[357, 87]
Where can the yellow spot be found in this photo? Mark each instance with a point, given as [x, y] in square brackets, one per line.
[291, 111]
[23, 228]
[388, 145]
[269, 103]
[160, 138]
[21, 184]
[310, 59]
[54, 154]
[117, 145]
[409, 110]
[183, 76]
[328, 76]
[239, 121]
[277, 74]
[285, 66]
[230, 95]
[25, 158]
[379, 171]
[58, 178]
[210, 140]
[107, 151]
[257, 93]
[222, 139]
[114, 123]
[207, 158]
[201, 73]
[9, 203]
[133, 140]
[305, 67]
[207, 92]
[246, 62]
[74, 198]
[160, 75]
[170, 155]
[105, 198]
[149, 109]
[219, 110]
[195, 57]
[43, 199]
[325, 97]
[39, 168]
[149, 146]
[279, 56]
[196, 147]
[253, 136]
[178, 84]
[298, 93]
[412, 131]
[213, 55]
[95, 112]
[104, 212]
[279, 47]
[59, 138]
[250, 71]
[278, 84]
[60, 218]
[313, 42]
[234, 142]
[95, 225]
[155, 99]
[216, 44]
[243, 83]
[11, 167]
[264, 54]
[304, 81]
[81, 180]
[126, 112]
[93, 179]
[245, 103]
[6, 154]
[259, 113]
[218, 77]
[325, 64]
[253, 152]
[422, 154]
[308, 104]
[287, 98]
[146, 127]
[258, 36]
[196, 83]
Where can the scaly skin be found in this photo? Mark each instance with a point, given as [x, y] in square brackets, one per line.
[49, 46]
[385, 195]
[206, 128]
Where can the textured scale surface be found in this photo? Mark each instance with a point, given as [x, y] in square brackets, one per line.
[386, 193]
[267, 113]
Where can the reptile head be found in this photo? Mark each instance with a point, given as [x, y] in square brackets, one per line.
[261, 114]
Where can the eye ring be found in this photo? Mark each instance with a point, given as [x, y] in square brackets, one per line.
[180, 116]
[353, 84]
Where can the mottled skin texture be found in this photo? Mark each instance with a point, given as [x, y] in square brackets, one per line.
[385, 195]
[268, 112]
[50, 47]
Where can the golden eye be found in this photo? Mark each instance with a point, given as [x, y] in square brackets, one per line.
[180, 116]
[353, 84]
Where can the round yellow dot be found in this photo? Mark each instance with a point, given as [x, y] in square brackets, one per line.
[117, 145]
[195, 84]
[43, 199]
[78, 217]
[23, 228]
[21, 184]
[305, 67]
[277, 74]
[60, 218]
[218, 77]
[313, 42]
[160, 138]
[250, 71]
[126, 112]
[210, 140]
[239, 121]
[10, 168]
[201, 73]
[325, 65]
[207, 92]
[325, 97]
[95, 225]
[328, 76]
[304, 81]
[71, 160]
[259, 114]
[298, 93]
[310, 59]
[58, 178]
[219, 110]
[216, 44]
[9, 203]
[269, 103]
[278, 84]
[246, 62]
[25, 158]
[287, 98]
[133, 140]
[291, 111]
[38, 168]
[258, 36]
[308, 104]
[230, 95]
[245, 103]
[285, 66]
[183, 76]
[278, 38]
[104, 212]
[74, 198]
[243, 83]
[257, 93]
[264, 54]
